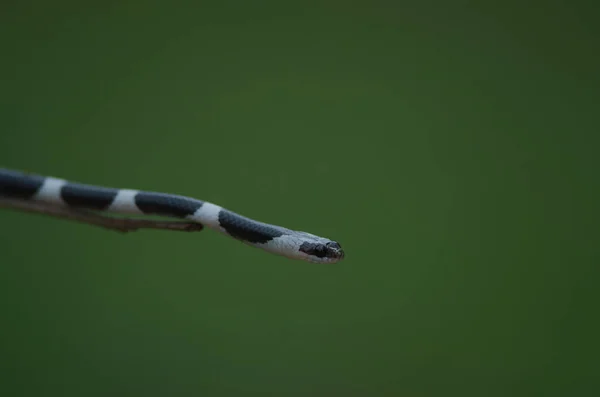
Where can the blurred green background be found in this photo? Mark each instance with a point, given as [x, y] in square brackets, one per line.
[450, 147]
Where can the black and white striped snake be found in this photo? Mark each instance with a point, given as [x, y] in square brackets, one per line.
[275, 239]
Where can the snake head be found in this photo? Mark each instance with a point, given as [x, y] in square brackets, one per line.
[326, 251]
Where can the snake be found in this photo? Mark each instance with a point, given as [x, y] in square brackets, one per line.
[24, 186]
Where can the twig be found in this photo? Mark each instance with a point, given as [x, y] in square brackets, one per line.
[121, 224]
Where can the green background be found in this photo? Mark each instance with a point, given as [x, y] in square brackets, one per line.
[449, 146]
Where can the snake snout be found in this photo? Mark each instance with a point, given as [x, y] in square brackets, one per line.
[335, 249]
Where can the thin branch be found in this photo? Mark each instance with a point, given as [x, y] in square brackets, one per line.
[121, 224]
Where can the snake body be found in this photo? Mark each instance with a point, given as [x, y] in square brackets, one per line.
[275, 239]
